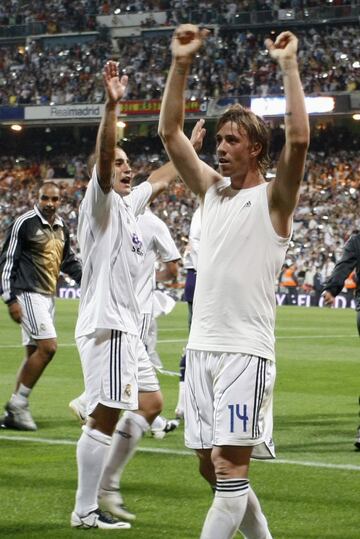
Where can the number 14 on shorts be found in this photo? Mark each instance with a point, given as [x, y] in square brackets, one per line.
[238, 412]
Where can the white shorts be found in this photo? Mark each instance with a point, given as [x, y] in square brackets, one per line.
[144, 326]
[228, 401]
[110, 369]
[38, 314]
[147, 379]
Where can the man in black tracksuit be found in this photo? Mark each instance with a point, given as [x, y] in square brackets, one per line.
[349, 261]
[36, 249]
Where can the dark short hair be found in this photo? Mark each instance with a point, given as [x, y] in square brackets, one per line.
[255, 127]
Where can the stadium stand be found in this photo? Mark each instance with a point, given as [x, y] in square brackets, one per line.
[52, 53]
[43, 73]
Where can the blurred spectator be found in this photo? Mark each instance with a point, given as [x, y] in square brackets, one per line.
[38, 74]
[329, 206]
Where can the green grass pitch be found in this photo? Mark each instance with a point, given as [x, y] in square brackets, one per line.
[312, 491]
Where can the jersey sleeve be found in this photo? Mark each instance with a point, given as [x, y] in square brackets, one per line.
[9, 260]
[194, 236]
[70, 263]
[165, 245]
[96, 202]
[342, 268]
[139, 197]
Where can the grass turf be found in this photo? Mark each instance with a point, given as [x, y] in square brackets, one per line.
[310, 492]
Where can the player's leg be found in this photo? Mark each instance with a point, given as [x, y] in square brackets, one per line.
[78, 407]
[240, 424]
[151, 342]
[254, 524]
[179, 409]
[109, 365]
[206, 467]
[37, 359]
[188, 296]
[128, 432]
[39, 339]
[231, 465]
[39, 336]
[92, 449]
[225, 468]
[161, 426]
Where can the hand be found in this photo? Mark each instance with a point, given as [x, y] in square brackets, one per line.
[115, 87]
[284, 47]
[329, 299]
[197, 135]
[187, 40]
[15, 312]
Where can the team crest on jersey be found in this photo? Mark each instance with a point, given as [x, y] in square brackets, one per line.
[137, 245]
[127, 390]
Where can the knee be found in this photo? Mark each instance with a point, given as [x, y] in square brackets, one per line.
[47, 349]
[231, 461]
[222, 466]
[103, 419]
[206, 467]
[150, 405]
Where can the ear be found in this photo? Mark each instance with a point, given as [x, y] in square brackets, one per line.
[255, 149]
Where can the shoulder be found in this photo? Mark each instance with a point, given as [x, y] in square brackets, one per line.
[24, 219]
[218, 187]
[139, 197]
[353, 242]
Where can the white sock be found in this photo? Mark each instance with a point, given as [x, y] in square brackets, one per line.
[92, 449]
[181, 398]
[159, 423]
[227, 510]
[254, 524]
[82, 398]
[20, 398]
[129, 430]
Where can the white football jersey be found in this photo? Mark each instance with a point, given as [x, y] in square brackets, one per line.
[112, 252]
[158, 244]
[240, 257]
[192, 248]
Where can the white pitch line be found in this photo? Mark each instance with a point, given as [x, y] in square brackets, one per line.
[71, 345]
[315, 336]
[187, 453]
[166, 341]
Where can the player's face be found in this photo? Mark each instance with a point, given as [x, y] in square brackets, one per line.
[49, 201]
[123, 173]
[233, 150]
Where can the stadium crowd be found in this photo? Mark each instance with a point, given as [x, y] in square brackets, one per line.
[326, 216]
[64, 15]
[62, 74]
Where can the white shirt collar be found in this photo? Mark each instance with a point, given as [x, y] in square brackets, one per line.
[57, 220]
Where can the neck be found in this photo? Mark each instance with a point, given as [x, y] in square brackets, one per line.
[251, 179]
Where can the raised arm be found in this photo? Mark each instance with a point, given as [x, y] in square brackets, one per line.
[284, 190]
[186, 42]
[163, 176]
[106, 137]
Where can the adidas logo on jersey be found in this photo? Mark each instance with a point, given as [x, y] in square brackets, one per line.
[248, 204]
